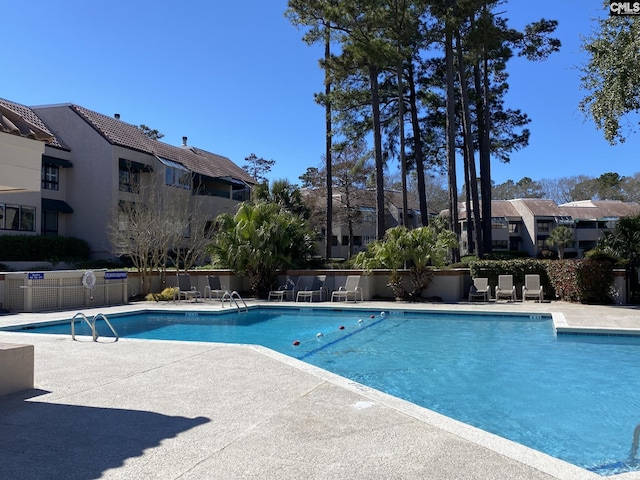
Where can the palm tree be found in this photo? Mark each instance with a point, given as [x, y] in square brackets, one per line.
[561, 237]
[421, 249]
[260, 240]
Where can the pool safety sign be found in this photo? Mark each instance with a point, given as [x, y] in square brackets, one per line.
[35, 276]
[624, 8]
[115, 275]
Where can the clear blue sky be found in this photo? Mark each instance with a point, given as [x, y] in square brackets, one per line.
[235, 78]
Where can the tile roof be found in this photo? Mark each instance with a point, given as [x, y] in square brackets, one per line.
[538, 206]
[123, 134]
[499, 208]
[599, 209]
[21, 120]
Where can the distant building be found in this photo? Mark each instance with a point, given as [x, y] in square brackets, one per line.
[525, 224]
[91, 162]
[362, 207]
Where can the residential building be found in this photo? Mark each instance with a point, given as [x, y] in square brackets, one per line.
[525, 224]
[94, 162]
[359, 206]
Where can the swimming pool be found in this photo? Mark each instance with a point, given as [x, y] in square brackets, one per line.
[575, 397]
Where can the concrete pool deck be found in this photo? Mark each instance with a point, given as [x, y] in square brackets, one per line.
[160, 409]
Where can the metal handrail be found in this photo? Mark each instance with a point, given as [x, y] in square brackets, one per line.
[92, 325]
[232, 296]
[106, 320]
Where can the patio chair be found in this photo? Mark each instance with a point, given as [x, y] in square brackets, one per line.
[185, 290]
[479, 289]
[213, 288]
[286, 291]
[310, 287]
[505, 288]
[351, 288]
[532, 288]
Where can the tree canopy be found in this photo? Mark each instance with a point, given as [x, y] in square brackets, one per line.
[611, 75]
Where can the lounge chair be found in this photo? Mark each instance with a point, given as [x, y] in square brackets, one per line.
[532, 288]
[479, 289]
[505, 288]
[213, 287]
[286, 291]
[311, 287]
[351, 288]
[185, 290]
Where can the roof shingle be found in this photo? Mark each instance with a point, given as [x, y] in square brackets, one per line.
[199, 161]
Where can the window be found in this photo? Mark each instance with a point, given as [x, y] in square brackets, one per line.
[49, 223]
[357, 241]
[541, 241]
[129, 180]
[50, 175]
[368, 214]
[17, 217]
[334, 240]
[514, 227]
[499, 223]
[345, 240]
[177, 177]
[369, 239]
[500, 244]
[544, 226]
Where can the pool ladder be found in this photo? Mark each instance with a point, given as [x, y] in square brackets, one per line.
[234, 297]
[92, 325]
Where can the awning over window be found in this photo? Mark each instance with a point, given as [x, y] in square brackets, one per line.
[59, 162]
[134, 166]
[236, 183]
[60, 206]
[171, 164]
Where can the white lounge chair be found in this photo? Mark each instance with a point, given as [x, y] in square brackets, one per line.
[351, 288]
[284, 292]
[479, 289]
[185, 290]
[505, 288]
[310, 287]
[532, 288]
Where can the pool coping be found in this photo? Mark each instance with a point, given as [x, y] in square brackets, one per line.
[508, 448]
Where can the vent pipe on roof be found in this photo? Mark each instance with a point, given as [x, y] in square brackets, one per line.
[117, 116]
[184, 141]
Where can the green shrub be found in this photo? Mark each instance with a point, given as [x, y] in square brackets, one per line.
[29, 248]
[585, 281]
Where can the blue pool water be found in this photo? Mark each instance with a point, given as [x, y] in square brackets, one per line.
[575, 397]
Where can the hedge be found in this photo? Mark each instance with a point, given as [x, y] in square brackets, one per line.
[583, 280]
[29, 248]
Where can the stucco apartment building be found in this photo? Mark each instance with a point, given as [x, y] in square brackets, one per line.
[363, 206]
[88, 163]
[525, 224]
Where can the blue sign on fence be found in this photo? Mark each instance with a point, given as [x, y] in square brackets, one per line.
[114, 275]
[35, 275]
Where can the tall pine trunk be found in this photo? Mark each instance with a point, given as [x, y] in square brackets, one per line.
[470, 163]
[328, 146]
[377, 142]
[451, 140]
[417, 147]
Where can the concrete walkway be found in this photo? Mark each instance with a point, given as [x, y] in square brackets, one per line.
[155, 409]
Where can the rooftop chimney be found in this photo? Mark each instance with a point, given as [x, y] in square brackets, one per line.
[184, 141]
[117, 116]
